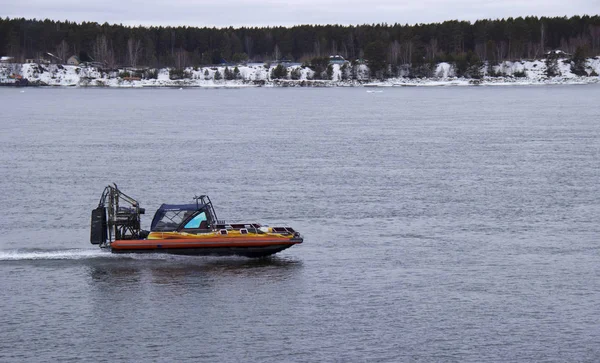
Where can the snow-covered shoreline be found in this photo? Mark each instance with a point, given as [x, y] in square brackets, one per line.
[259, 75]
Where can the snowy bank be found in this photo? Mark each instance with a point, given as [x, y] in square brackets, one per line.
[260, 75]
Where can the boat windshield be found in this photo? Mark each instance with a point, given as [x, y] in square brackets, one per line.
[195, 222]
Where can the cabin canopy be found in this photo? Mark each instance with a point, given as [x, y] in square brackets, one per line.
[170, 216]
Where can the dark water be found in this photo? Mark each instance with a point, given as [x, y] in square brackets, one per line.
[441, 224]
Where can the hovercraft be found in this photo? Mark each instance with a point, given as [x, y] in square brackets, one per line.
[181, 229]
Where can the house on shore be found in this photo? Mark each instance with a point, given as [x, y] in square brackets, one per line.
[557, 53]
[73, 61]
[337, 59]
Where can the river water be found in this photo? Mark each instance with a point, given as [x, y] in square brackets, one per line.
[440, 224]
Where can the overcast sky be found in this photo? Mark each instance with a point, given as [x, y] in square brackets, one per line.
[288, 12]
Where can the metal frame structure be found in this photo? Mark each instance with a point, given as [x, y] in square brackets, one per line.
[123, 214]
[205, 200]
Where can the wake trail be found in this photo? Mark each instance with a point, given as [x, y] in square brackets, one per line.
[79, 254]
[68, 254]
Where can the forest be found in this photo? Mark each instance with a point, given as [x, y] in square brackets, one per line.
[381, 45]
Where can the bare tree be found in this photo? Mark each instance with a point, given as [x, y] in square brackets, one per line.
[595, 34]
[394, 52]
[406, 52]
[248, 45]
[431, 49]
[542, 39]
[172, 43]
[481, 51]
[571, 44]
[181, 58]
[317, 47]
[334, 48]
[501, 51]
[103, 52]
[134, 49]
[351, 50]
[62, 50]
[344, 51]
[533, 50]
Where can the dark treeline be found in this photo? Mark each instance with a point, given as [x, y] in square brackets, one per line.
[380, 44]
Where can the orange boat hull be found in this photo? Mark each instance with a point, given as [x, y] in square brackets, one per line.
[222, 246]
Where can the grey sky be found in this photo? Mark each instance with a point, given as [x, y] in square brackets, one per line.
[288, 12]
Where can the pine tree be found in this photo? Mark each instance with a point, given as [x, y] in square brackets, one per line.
[176, 73]
[229, 74]
[319, 66]
[239, 58]
[218, 75]
[552, 65]
[375, 55]
[279, 72]
[296, 73]
[461, 65]
[330, 72]
[474, 70]
[578, 62]
[344, 70]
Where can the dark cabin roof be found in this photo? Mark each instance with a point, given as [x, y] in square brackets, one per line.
[181, 206]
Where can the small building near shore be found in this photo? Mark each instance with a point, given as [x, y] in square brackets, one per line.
[336, 59]
[557, 53]
[6, 59]
[73, 60]
[284, 62]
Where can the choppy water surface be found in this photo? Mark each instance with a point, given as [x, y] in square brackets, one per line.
[441, 224]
